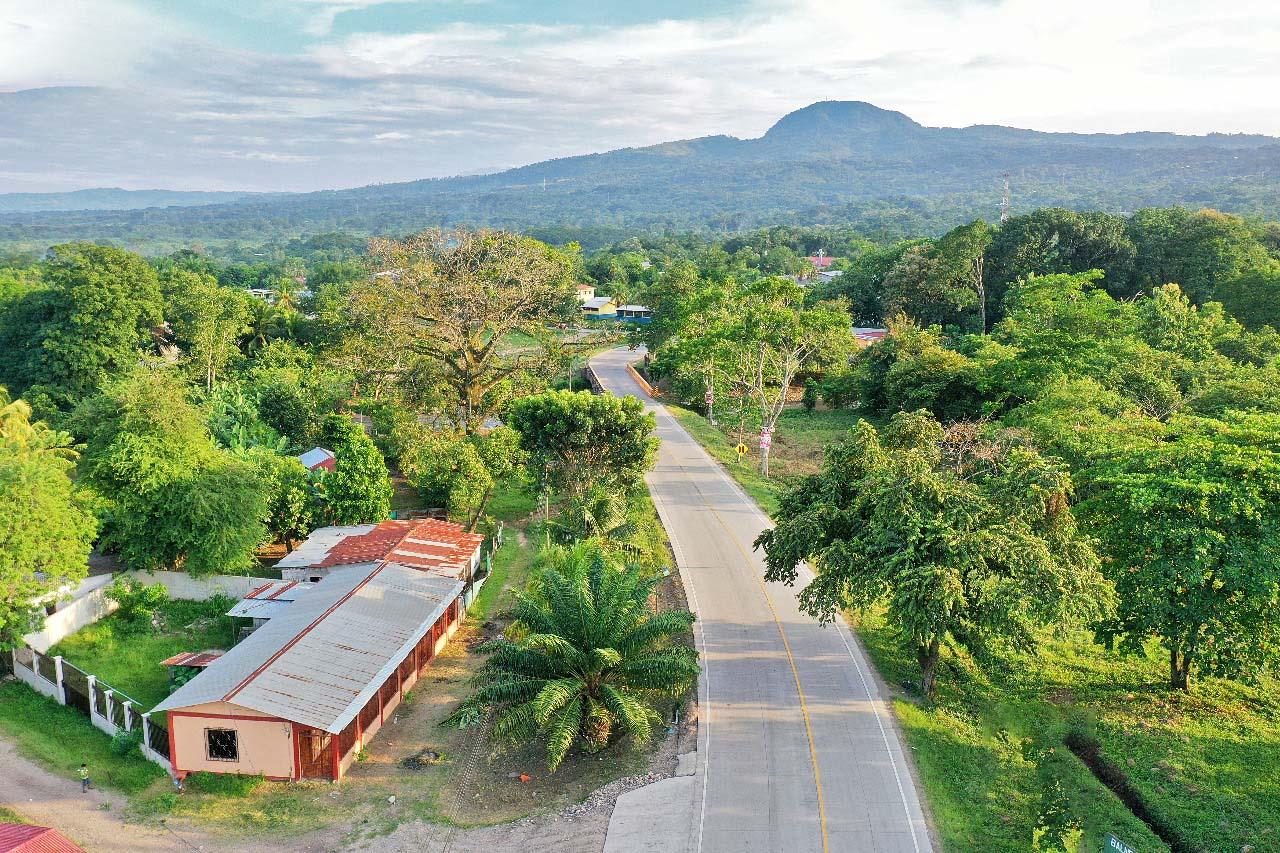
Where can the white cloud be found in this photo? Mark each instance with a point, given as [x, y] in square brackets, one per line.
[476, 96]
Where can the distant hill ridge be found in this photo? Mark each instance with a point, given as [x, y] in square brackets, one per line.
[833, 161]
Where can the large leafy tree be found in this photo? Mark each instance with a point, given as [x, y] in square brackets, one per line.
[1191, 528]
[962, 539]
[175, 500]
[358, 490]
[46, 527]
[1053, 240]
[769, 337]
[579, 440]
[587, 661]
[1253, 297]
[942, 282]
[455, 299]
[1201, 251]
[99, 308]
[458, 471]
[208, 321]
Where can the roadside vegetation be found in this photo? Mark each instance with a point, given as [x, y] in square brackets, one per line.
[1051, 508]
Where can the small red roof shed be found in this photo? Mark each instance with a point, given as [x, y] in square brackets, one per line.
[24, 838]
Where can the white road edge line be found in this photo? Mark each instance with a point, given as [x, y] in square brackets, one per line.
[704, 714]
[841, 628]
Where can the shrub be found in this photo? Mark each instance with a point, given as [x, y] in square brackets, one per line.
[224, 784]
[123, 743]
[138, 602]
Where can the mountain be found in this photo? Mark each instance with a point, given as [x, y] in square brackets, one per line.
[833, 161]
[111, 198]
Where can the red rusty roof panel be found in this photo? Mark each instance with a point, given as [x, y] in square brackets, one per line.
[23, 838]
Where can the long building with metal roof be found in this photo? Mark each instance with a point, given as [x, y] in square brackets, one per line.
[301, 695]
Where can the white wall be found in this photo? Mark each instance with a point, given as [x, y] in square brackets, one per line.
[181, 585]
[91, 605]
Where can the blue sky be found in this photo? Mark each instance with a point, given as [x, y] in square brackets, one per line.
[309, 94]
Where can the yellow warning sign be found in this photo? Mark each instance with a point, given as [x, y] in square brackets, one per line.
[742, 450]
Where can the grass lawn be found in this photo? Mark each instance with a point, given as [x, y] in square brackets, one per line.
[130, 661]
[797, 449]
[61, 738]
[1206, 765]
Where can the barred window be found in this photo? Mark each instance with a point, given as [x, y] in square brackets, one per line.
[222, 744]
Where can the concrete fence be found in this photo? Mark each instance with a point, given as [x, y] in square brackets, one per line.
[108, 710]
[641, 381]
[181, 585]
[88, 604]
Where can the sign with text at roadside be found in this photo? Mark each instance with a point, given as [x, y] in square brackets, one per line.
[1111, 844]
[766, 440]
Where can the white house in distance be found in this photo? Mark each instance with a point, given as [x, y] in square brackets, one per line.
[585, 292]
[432, 545]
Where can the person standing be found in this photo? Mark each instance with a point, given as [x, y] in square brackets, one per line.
[85, 781]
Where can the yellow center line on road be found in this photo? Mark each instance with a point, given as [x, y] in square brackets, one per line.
[795, 673]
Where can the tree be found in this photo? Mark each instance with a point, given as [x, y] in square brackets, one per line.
[577, 441]
[1200, 251]
[863, 282]
[962, 538]
[175, 500]
[458, 471]
[769, 337]
[939, 282]
[962, 260]
[291, 496]
[46, 527]
[208, 320]
[454, 300]
[1053, 241]
[358, 489]
[1191, 528]
[1253, 297]
[590, 658]
[100, 309]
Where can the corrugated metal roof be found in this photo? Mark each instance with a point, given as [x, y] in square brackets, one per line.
[428, 544]
[23, 838]
[252, 608]
[318, 545]
[317, 457]
[319, 661]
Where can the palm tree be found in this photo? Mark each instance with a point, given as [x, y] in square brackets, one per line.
[590, 658]
[601, 514]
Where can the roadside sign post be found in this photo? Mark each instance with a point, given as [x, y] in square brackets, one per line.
[766, 441]
[1111, 844]
[742, 450]
[710, 399]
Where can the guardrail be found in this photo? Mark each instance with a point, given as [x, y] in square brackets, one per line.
[641, 381]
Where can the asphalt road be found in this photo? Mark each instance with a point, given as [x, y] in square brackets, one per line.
[797, 750]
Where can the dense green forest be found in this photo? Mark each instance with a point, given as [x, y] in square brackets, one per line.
[1064, 456]
[830, 163]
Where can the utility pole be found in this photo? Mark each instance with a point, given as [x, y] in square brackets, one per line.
[1004, 201]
